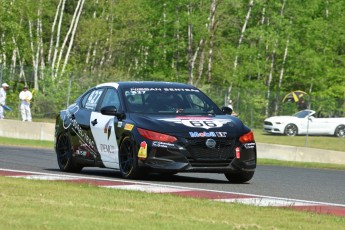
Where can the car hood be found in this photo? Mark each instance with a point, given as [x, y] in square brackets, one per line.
[191, 126]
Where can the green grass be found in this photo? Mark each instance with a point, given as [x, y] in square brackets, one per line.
[300, 164]
[26, 142]
[319, 142]
[28, 204]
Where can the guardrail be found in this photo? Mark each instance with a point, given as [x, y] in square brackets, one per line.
[45, 131]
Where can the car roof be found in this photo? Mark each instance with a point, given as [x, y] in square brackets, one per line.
[145, 84]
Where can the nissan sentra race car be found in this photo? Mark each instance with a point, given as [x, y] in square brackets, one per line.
[161, 127]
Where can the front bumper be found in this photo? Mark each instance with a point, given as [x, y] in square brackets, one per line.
[274, 128]
[221, 160]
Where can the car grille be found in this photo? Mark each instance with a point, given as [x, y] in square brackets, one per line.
[200, 153]
[268, 123]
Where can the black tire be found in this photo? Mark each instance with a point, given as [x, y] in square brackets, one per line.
[240, 177]
[128, 159]
[291, 130]
[64, 155]
[340, 131]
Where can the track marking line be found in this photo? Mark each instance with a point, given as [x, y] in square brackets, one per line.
[146, 188]
[264, 202]
[220, 196]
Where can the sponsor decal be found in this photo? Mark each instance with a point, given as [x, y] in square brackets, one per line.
[134, 91]
[249, 145]
[91, 102]
[180, 90]
[107, 128]
[198, 122]
[238, 152]
[81, 151]
[70, 122]
[210, 143]
[160, 144]
[104, 148]
[221, 134]
[129, 127]
[202, 134]
[142, 154]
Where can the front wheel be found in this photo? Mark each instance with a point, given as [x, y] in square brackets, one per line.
[240, 177]
[291, 130]
[64, 155]
[128, 159]
[340, 131]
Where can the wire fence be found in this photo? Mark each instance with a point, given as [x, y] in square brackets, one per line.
[52, 95]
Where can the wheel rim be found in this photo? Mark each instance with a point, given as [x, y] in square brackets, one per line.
[126, 157]
[291, 130]
[341, 131]
[63, 151]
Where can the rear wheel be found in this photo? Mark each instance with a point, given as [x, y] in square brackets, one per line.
[240, 177]
[64, 155]
[128, 159]
[340, 131]
[291, 130]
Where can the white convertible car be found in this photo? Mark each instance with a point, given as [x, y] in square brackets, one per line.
[305, 122]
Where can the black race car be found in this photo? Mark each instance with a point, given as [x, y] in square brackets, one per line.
[161, 127]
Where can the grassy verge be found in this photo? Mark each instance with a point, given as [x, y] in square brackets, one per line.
[26, 142]
[300, 164]
[319, 142]
[59, 205]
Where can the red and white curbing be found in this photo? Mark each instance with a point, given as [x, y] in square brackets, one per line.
[249, 199]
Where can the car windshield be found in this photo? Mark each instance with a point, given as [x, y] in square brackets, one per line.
[169, 101]
[302, 114]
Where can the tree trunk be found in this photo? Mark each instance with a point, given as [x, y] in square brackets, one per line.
[73, 35]
[190, 62]
[270, 76]
[211, 29]
[57, 43]
[251, 3]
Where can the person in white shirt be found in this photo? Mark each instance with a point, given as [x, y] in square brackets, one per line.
[3, 89]
[232, 108]
[25, 96]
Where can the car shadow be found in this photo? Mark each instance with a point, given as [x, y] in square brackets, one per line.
[151, 177]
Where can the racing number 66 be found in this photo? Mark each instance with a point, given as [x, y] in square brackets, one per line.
[202, 123]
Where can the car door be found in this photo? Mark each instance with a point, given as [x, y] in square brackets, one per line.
[80, 120]
[320, 126]
[103, 129]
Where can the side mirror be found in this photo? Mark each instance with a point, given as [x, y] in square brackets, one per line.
[112, 111]
[226, 110]
[109, 110]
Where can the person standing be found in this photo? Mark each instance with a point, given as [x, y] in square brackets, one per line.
[3, 89]
[302, 105]
[25, 96]
[232, 108]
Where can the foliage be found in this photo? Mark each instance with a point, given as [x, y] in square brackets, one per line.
[285, 46]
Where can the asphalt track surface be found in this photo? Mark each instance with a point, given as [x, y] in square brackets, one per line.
[317, 185]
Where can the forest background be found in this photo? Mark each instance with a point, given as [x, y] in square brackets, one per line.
[252, 52]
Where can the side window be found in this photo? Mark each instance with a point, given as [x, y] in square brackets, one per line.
[197, 103]
[90, 100]
[111, 97]
[200, 104]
